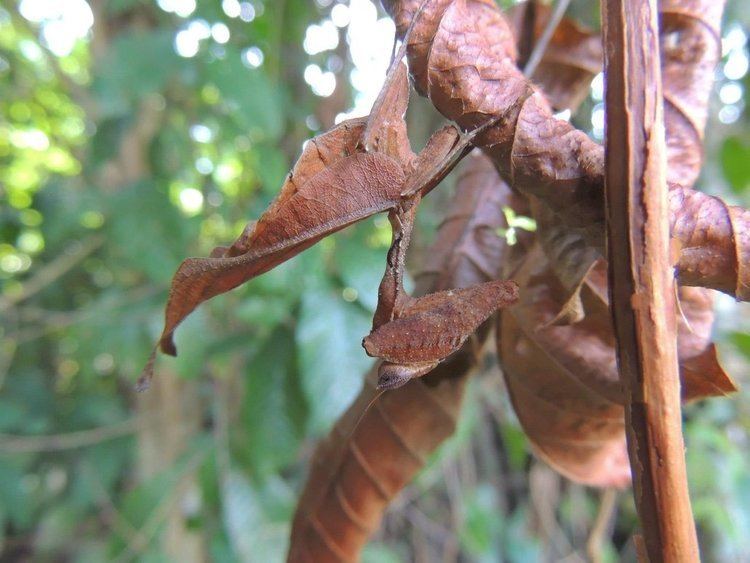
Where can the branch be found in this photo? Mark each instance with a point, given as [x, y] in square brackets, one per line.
[71, 440]
[601, 530]
[541, 45]
[640, 280]
[49, 273]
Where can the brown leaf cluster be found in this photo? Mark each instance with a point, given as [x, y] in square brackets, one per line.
[563, 379]
[357, 169]
[460, 50]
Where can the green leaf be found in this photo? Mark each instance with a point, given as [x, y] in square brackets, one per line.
[735, 161]
[519, 545]
[359, 263]
[253, 101]
[137, 63]
[221, 550]
[482, 525]
[273, 410]
[56, 529]
[106, 141]
[516, 445]
[144, 498]
[12, 416]
[253, 533]
[331, 358]
[154, 246]
[98, 469]
[742, 341]
[375, 552]
[193, 341]
[117, 6]
[272, 168]
[14, 494]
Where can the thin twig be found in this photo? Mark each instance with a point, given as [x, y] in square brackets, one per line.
[549, 29]
[71, 440]
[146, 534]
[57, 320]
[601, 528]
[49, 273]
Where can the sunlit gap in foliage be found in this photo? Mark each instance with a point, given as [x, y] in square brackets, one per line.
[370, 40]
[597, 114]
[196, 32]
[182, 8]
[62, 23]
[734, 69]
[41, 147]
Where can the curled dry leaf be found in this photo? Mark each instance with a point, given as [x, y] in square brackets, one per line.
[714, 241]
[700, 370]
[568, 374]
[460, 50]
[572, 58]
[383, 440]
[563, 382]
[386, 130]
[690, 48]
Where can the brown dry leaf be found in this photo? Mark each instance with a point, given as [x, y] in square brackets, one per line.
[568, 374]
[563, 381]
[373, 452]
[690, 41]
[469, 230]
[572, 58]
[714, 242]
[386, 129]
[700, 370]
[690, 49]
[569, 256]
[330, 187]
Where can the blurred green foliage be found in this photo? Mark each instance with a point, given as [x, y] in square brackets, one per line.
[119, 158]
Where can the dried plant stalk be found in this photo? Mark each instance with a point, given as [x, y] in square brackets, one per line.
[641, 285]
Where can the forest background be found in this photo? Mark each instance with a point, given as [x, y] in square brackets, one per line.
[136, 133]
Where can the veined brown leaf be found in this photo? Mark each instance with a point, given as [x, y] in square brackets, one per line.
[564, 380]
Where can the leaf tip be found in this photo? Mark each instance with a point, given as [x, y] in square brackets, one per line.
[144, 380]
[166, 343]
[143, 383]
